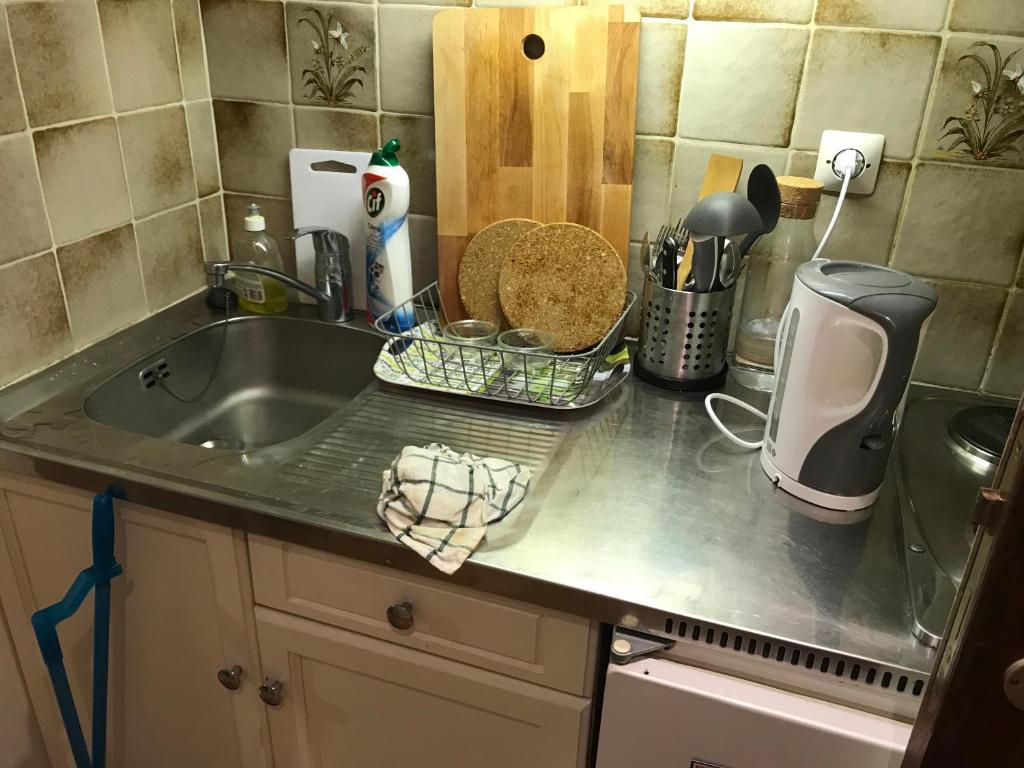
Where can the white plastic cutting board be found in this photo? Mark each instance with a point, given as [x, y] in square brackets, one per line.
[333, 199]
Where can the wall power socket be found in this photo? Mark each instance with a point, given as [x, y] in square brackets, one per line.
[832, 143]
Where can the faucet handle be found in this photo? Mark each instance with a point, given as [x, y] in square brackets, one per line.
[325, 239]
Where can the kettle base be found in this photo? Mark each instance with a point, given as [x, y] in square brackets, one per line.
[816, 497]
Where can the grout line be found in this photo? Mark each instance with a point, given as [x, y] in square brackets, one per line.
[124, 166]
[1000, 326]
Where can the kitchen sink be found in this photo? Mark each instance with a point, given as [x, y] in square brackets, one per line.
[243, 384]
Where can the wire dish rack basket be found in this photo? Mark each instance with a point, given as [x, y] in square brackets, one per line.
[417, 352]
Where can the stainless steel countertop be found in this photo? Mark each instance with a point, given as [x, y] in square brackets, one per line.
[638, 505]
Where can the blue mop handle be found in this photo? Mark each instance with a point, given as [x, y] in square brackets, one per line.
[45, 621]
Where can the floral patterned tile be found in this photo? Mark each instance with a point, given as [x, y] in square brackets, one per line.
[332, 49]
[977, 111]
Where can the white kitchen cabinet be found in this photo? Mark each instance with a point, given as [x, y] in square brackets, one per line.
[351, 701]
[181, 612]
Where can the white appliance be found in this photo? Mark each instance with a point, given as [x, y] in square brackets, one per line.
[847, 344]
[662, 713]
[844, 353]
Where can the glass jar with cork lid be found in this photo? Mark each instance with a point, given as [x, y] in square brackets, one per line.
[769, 280]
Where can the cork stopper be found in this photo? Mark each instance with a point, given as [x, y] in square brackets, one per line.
[800, 196]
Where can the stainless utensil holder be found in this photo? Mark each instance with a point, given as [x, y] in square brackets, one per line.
[683, 337]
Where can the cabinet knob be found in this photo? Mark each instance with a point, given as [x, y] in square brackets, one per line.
[271, 692]
[230, 677]
[400, 615]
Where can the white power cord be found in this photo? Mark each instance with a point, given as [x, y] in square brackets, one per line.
[750, 446]
[845, 163]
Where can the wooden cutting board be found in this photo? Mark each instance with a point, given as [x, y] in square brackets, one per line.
[548, 138]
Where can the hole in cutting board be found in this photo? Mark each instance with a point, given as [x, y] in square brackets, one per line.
[533, 46]
[332, 166]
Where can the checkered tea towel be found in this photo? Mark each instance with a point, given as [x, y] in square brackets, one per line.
[439, 502]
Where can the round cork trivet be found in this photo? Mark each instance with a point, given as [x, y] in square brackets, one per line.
[566, 279]
[800, 196]
[481, 265]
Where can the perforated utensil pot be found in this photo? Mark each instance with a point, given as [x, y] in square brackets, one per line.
[683, 337]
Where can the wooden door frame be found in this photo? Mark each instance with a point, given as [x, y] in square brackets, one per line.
[965, 718]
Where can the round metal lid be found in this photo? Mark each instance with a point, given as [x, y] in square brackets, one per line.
[982, 430]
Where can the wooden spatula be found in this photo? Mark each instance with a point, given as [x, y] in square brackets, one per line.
[722, 175]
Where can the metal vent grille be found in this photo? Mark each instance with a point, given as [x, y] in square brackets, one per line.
[891, 680]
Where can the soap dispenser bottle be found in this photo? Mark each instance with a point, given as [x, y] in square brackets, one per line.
[257, 293]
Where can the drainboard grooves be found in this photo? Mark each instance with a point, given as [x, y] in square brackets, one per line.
[355, 454]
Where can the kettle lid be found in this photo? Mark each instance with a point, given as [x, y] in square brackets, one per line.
[845, 282]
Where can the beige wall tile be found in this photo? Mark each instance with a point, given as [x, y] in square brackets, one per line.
[866, 228]
[953, 96]
[202, 139]
[138, 36]
[1006, 369]
[157, 159]
[254, 140]
[188, 31]
[83, 178]
[12, 116]
[865, 81]
[60, 60]
[675, 9]
[102, 283]
[211, 215]
[171, 253]
[352, 56]
[278, 213]
[959, 335]
[32, 316]
[423, 247]
[662, 45]
[245, 49]
[416, 135]
[652, 183]
[926, 15]
[406, 59]
[1002, 17]
[793, 11]
[22, 216]
[691, 161]
[750, 100]
[962, 222]
[463, 3]
[335, 129]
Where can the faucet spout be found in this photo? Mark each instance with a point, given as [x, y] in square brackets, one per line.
[333, 291]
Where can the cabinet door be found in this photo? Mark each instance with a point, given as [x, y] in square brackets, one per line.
[178, 617]
[351, 701]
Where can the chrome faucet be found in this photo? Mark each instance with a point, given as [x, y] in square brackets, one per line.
[332, 270]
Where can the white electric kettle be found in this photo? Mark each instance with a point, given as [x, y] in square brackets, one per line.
[844, 353]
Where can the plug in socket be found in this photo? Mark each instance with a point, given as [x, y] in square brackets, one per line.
[832, 143]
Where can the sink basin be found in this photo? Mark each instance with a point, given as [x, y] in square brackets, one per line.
[244, 384]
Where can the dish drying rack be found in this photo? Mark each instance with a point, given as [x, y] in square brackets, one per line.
[416, 354]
